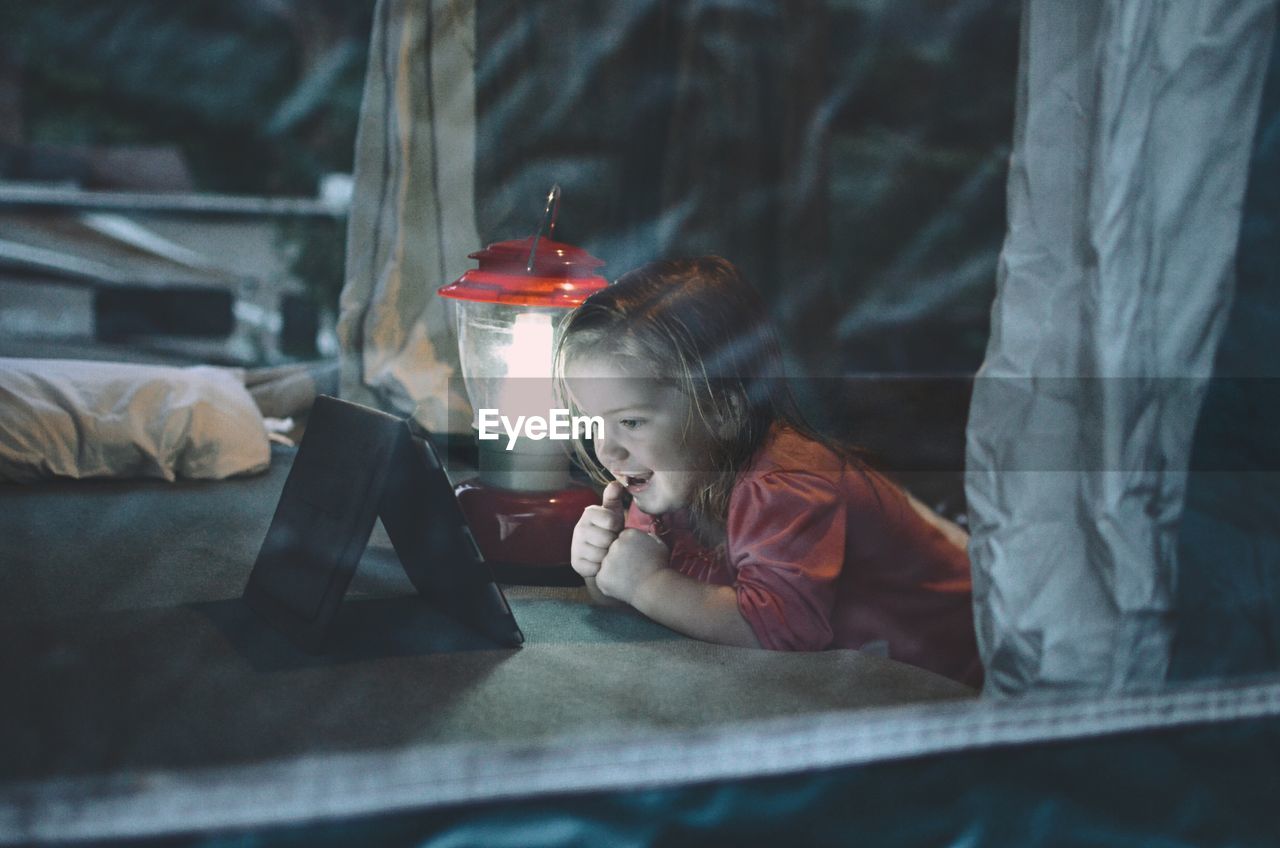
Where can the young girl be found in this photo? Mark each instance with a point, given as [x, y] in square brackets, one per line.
[744, 526]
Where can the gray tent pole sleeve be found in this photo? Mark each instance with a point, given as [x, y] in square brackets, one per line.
[1134, 125]
[413, 219]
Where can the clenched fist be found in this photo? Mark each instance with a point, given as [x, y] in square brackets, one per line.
[595, 532]
[632, 558]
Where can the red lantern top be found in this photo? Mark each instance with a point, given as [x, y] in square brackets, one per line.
[562, 275]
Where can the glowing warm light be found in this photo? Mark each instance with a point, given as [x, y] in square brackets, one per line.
[529, 353]
[527, 388]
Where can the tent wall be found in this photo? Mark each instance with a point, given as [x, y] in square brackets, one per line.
[1134, 127]
[848, 157]
[1229, 542]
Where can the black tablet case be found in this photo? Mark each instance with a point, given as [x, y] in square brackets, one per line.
[356, 464]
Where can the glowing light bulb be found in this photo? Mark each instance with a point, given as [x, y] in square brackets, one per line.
[527, 388]
[529, 353]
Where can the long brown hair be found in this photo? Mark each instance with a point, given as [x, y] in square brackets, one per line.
[701, 327]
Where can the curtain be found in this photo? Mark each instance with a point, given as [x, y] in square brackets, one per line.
[412, 221]
[1134, 126]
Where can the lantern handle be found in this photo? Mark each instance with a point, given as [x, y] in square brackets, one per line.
[548, 223]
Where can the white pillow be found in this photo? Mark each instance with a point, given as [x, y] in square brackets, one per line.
[61, 417]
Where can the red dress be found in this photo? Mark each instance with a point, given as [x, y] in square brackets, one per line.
[824, 556]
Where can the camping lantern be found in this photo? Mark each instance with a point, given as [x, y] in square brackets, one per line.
[522, 506]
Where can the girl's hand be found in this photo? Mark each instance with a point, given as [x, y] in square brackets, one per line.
[632, 558]
[595, 531]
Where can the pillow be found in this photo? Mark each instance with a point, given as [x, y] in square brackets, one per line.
[102, 419]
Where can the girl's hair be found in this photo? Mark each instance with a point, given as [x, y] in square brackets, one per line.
[702, 328]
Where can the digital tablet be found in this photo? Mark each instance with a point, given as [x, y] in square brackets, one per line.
[356, 464]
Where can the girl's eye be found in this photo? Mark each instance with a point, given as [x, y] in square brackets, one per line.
[629, 423]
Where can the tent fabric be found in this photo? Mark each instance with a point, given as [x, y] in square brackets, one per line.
[412, 220]
[1131, 147]
[470, 115]
[1229, 544]
[1155, 793]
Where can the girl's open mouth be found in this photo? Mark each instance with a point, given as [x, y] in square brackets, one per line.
[635, 482]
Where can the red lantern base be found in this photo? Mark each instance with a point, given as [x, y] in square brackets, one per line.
[525, 536]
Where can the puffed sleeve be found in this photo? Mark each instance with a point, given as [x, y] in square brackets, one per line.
[787, 544]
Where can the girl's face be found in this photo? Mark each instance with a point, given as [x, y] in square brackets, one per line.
[652, 444]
